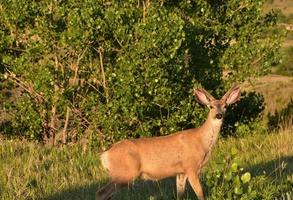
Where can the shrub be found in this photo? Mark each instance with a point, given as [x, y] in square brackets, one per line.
[285, 67]
[125, 69]
[282, 119]
[230, 181]
[245, 117]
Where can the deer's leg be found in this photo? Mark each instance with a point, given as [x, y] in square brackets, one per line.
[101, 193]
[107, 191]
[180, 185]
[195, 184]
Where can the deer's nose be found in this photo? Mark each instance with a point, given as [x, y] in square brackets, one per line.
[219, 115]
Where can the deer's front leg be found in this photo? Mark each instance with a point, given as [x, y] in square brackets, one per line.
[195, 184]
[180, 185]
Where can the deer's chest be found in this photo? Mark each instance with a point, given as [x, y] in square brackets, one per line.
[210, 143]
[205, 159]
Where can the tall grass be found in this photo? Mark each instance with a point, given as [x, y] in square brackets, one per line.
[30, 170]
[33, 171]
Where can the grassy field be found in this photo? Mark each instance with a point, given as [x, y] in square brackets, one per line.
[33, 171]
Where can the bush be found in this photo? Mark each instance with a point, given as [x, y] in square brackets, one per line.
[245, 117]
[285, 67]
[230, 181]
[282, 119]
[114, 70]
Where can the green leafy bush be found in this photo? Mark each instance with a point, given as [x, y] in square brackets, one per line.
[245, 117]
[119, 69]
[282, 119]
[285, 67]
[229, 181]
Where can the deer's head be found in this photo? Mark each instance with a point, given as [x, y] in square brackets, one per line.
[217, 107]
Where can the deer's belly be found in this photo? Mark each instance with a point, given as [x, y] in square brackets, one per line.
[160, 172]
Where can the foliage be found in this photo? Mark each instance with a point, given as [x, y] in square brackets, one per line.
[286, 67]
[229, 181]
[244, 117]
[283, 118]
[240, 120]
[119, 69]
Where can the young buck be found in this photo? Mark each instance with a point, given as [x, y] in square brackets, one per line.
[182, 154]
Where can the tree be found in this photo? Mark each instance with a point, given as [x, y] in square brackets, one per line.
[117, 69]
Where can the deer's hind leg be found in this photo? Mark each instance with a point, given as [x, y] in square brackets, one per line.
[180, 185]
[106, 192]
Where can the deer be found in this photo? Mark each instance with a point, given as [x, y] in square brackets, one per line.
[182, 154]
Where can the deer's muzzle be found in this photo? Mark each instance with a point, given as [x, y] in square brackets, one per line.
[219, 115]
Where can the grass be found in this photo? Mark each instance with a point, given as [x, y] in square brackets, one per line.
[33, 171]
[285, 5]
[262, 153]
[271, 85]
[30, 170]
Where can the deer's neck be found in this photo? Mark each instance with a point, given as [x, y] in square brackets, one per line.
[210, 131]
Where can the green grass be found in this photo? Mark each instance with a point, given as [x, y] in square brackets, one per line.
[32, 171]
[261, 153]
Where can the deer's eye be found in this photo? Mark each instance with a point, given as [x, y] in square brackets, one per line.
[211, 107]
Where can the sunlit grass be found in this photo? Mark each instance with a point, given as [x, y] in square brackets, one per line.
[32, 171]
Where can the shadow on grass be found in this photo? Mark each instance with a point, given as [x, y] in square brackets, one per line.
[279, 168]
[86, 192]
[161, 190]
[166, 189]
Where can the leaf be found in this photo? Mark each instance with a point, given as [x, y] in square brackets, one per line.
[245, 178]
[234, 167]
[228, 176]
[234, 151]
[238, 190]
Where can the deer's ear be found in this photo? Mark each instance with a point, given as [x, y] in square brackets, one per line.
[202, 96]
[232, 95]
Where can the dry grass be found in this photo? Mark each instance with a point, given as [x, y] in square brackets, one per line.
[285, 5]
[277, 90]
